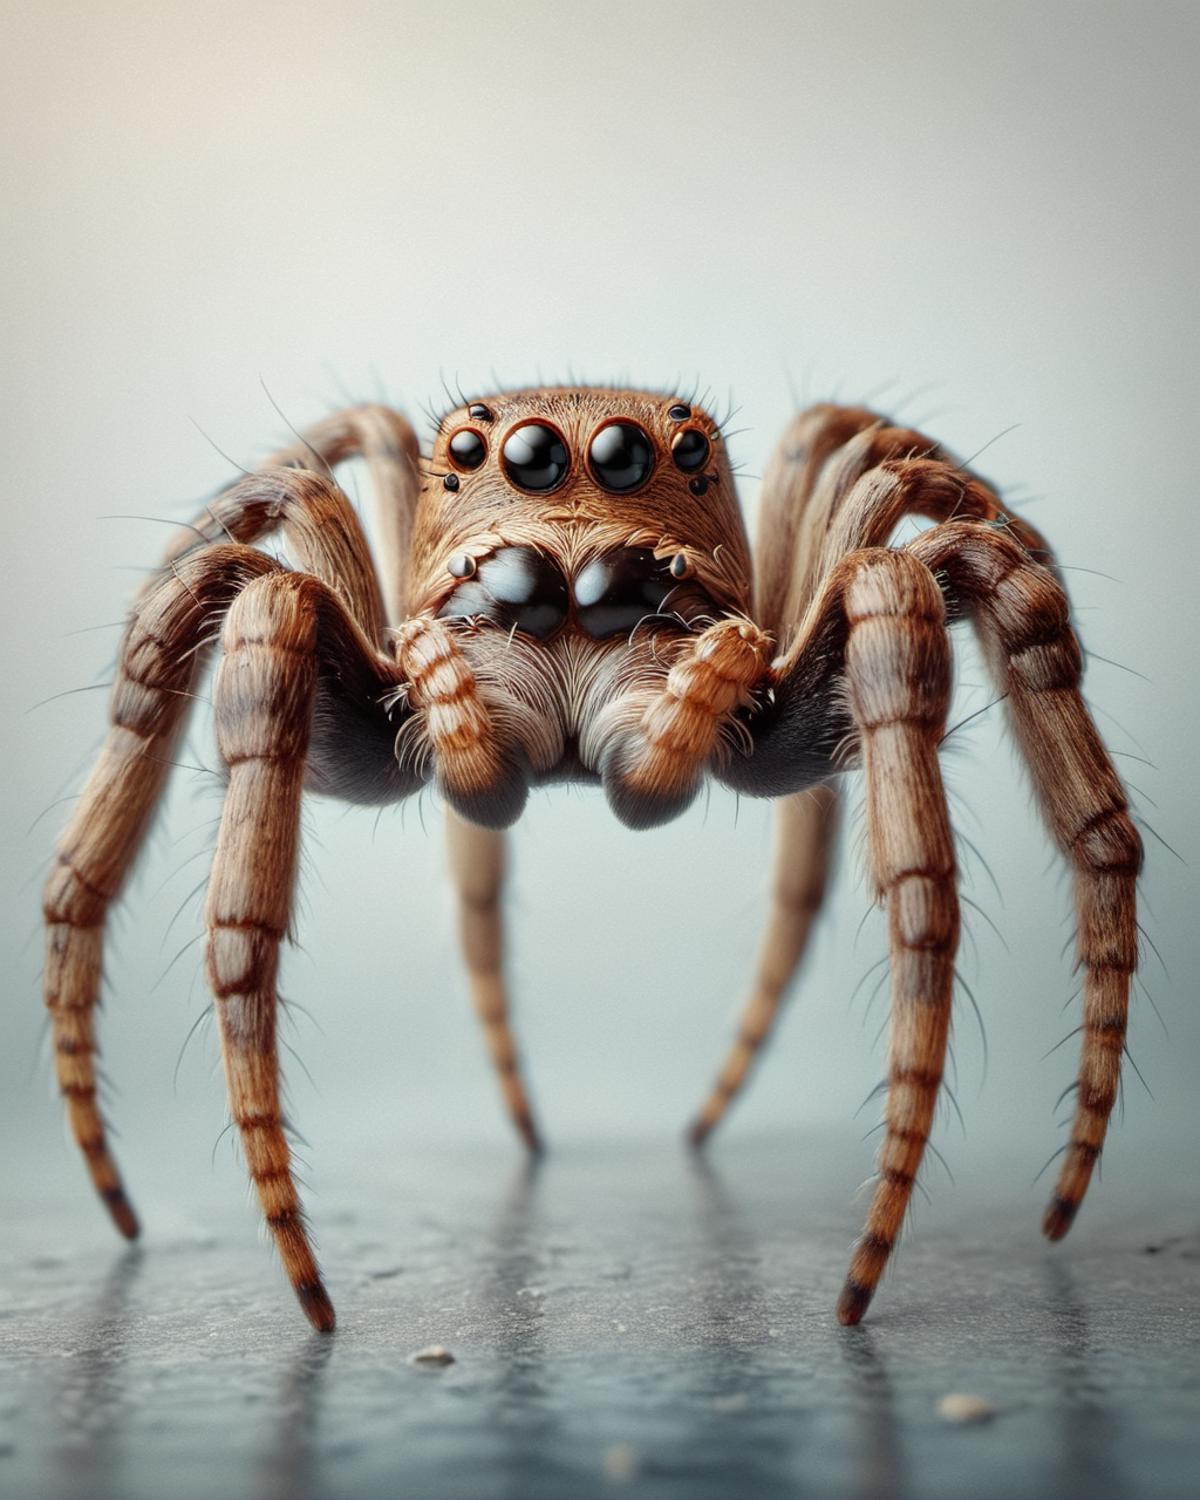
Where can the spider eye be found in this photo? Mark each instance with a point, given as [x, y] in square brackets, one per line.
[621, 457]
[690, 450]
[535, 457]
[467, 449]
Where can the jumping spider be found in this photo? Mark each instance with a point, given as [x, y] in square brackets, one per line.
[566, 593]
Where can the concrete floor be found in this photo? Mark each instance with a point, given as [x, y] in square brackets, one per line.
[623, 1321]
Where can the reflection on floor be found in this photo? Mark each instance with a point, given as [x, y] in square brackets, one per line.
[622, 1320]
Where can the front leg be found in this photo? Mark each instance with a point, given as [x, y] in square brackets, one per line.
[660, 739]
[263, 697]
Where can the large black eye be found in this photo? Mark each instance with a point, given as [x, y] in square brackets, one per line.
[690, 450]
[621, 457]
[467, 449]
[535, 457]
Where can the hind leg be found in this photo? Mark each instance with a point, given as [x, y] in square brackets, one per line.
[477, 861]
[807, 825]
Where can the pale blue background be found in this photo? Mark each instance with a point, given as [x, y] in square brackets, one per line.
[989, 212]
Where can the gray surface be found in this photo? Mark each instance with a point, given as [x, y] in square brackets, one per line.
[624, 1319]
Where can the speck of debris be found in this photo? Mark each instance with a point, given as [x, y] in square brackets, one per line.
[386, 1273]
[531, 1291]
[432, 1355]
[620, 1462]
[962, 1408]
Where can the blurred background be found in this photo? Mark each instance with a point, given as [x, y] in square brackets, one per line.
[982, 218]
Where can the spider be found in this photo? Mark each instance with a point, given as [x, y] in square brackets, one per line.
[566, 593]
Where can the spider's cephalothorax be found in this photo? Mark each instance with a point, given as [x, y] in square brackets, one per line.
[565, 592]
[579, 539]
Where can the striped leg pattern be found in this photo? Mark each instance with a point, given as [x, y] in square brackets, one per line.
[263, 697]
[1024, 618]
[806, 826]
[477, 860]
[158, 664]
[897, 665]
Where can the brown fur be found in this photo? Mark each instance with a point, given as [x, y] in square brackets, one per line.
[343, 677]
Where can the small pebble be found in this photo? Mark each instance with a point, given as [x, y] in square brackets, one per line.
[435, 1354]
[963, 1408]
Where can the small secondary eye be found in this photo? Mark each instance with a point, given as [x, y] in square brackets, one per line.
[621, 457]
[467, 449]
[535, 457]
[690, 450]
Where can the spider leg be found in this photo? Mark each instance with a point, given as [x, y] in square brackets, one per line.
[159, 661]
[278, 635]
[386, 441]
[791, 504]
[806, 825]
[477, 866]
[843, 478]
[319, 525]
[1024, 617]
[897, 665]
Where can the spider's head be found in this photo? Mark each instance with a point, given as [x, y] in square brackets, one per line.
[579, 507]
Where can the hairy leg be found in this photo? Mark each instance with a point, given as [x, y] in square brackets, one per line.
[841, 479]
[264, 695]
[477, 860]
[897, 665]
[790, 514]
[806, 821]
[386, 441]
[1024, 618]
[806, 825]
[158, 665]
[319, 526]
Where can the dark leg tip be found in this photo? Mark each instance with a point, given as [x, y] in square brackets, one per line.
[1058, 1218]
[121, 1210]
[529, 1133]
[853, 1302]
[698, 1133]
[318, 1309]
